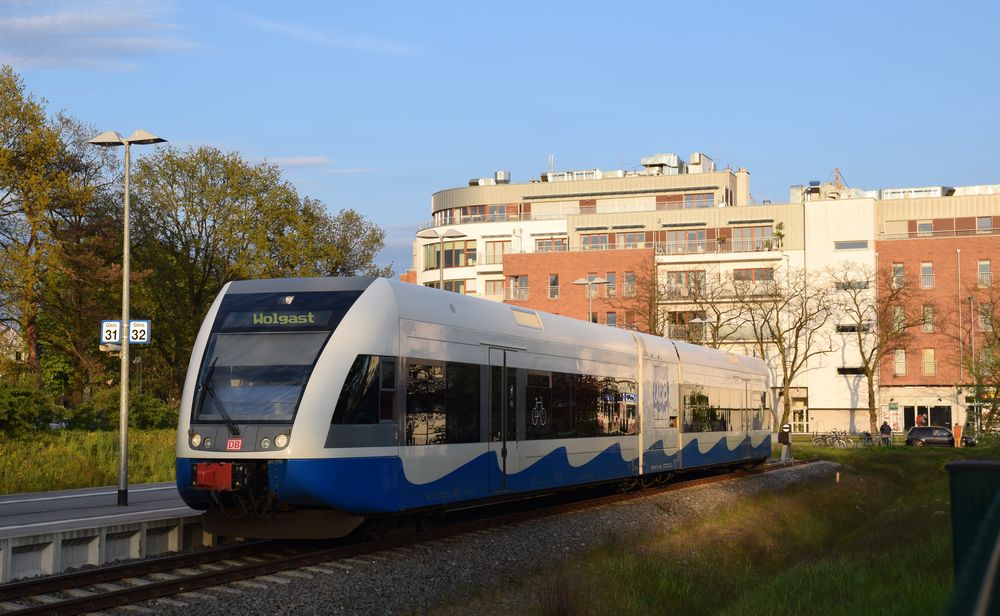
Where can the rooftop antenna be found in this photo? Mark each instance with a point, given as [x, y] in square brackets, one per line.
[552, 162]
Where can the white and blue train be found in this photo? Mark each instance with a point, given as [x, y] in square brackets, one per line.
[313, 404]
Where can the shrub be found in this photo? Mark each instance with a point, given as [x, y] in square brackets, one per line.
[101, 412]
[23, 409]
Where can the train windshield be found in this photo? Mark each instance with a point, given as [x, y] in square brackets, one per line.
[261, 353]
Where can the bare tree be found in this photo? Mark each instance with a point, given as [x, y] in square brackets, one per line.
[644, 300]
[787, 316]
[714, 299]
[877, 314]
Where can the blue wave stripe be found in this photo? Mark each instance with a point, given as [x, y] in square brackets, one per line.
[379, 485]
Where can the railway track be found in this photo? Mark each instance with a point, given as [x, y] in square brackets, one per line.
[105, 588]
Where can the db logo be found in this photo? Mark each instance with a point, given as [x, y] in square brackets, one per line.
[234, 444]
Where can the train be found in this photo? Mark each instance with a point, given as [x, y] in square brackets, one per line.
[312, 406]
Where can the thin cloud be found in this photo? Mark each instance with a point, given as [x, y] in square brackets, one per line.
[313, 36]
[352, 171]
[301, 161]
[102, 34]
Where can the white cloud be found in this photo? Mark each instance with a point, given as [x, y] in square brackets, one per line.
[102, 34]
[352, 171]
[313, 36]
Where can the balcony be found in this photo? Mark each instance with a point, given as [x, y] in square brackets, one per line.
[517, 294]
[985, 279]
[924, 235]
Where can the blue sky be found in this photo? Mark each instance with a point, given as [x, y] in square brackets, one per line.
[374, 106]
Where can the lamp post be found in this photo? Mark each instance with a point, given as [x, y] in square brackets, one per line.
[434, 233]
[111, 139]
[590, 281]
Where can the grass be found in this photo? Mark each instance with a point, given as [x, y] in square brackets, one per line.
[76, 459]
[877, 542]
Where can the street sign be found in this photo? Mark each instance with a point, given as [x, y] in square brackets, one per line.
[138, 332]
[111, 332]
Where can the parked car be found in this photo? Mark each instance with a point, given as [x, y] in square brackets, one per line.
[935, 436]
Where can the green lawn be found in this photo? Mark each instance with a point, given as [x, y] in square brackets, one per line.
[879, 542]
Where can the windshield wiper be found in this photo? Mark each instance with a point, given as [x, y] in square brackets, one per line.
[206, 386]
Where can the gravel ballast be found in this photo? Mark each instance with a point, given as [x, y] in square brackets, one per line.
[416, 579]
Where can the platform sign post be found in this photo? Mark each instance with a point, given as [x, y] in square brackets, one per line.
[111, 332]
[138, 332]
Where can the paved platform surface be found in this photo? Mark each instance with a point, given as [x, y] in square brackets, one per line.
[65, 510]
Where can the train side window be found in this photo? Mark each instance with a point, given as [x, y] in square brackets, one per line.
[387, 389]
[442, 402]
[359, 397]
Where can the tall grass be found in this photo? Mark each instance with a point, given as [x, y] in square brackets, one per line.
[76, 459]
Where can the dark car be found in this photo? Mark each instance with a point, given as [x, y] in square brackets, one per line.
[935, 436]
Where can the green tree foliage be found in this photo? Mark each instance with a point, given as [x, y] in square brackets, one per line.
[203, 218]
[34, 182]
[24, 409]
[101, 412]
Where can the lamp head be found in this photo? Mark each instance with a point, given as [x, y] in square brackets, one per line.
[108, 139]
[142, 137]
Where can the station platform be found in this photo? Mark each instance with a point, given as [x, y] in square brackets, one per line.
[48, 532]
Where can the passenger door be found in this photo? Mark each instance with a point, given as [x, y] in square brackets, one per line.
[501, 417]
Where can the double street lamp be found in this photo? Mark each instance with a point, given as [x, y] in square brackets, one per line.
[435, 234]
[111, 139]
[590, 281]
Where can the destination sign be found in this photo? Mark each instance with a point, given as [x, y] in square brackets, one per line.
[272, 319]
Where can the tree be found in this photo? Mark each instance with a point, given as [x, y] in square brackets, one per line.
[879, 315]
[714, 300]
[644, 300]
[981, 357]
[33, 179]
[204, 217]
[786, 316]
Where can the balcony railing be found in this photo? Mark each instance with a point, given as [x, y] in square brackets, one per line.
[517, 294]
[927, 281]
[985, 279]
[923, 235]
[554, 292]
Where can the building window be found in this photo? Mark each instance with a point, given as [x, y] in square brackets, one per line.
[495, 252]
[985, 273]
[848, 285]
[685, 241]
[748, 239]
[850, 370]
[494, 289]
[594, 241]
[984, 224]
[685, 284]
[613, 319]
[899, 362]
[928, 320]
[852, 328]
[986, 317]
[612, 286]
[929, 366]
[632, 239]
[629, 290]
[898, 318]
[456, 254]
[898, 276]
[925, 228]
[699, 200]
[926, 275]
[754, 274]
[518, 288]
[553, 286]
[851, 245]
[455, 286]
[551, 244]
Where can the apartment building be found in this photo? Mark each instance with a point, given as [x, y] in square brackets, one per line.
[590, 244]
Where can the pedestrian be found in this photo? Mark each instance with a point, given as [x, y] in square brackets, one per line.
[886, 433]
[957, 432]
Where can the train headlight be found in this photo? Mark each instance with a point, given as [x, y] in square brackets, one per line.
[265, 443]
[281, 441]
[208, 442]
[196, 440]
